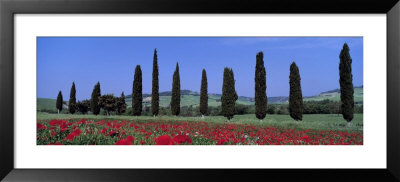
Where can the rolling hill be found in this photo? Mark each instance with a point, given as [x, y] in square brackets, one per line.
[193, 99]
[335, 95]
[188, 98]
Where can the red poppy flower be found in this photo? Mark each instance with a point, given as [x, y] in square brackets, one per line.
[164, 140]
[70, 137]
[63, 129]
[127, 141]
[123, 142]
[180, 139]
[40, 126]
[53, 122]
[130, 138]
[221, 142]
[83, 121]
[103, 130]
[77, 132]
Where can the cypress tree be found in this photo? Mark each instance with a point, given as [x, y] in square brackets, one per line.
[94, 101]
[296, 107]
[59, 103]
[72, 99]
[260, 87]
[137, 92]
[121, 104]
[154, 91]
[229, 95]
[176, 92]
[203, 94]
[346, 84]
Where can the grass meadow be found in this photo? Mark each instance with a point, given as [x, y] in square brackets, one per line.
[317, 122]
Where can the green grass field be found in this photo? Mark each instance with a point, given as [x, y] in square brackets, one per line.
[310, 121]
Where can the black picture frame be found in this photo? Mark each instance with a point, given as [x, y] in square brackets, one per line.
[8, 8]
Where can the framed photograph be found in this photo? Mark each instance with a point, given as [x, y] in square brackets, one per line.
[131, 90]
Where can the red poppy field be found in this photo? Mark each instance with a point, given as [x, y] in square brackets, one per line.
[120, 132]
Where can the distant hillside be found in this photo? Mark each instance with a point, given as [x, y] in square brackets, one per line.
[168, 93]
[330, 95]
[338, 90]
[335, 95]
[275, 100]
[190, 98]
[45, 104]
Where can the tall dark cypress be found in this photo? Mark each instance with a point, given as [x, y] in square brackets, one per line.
[260, 87]
[176, 92]
[94, 100]
[346, 84]
[137, 92]
[72, 99]
[59, 103]
[154, 91]
[296, 107]
[203, 94]
[229, 95]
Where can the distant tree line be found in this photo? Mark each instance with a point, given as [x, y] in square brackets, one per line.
[296, 107]
[310, 107]
[109, 103]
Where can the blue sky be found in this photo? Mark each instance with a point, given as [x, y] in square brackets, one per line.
[112, 61]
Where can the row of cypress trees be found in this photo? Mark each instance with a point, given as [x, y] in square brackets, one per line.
[137, 98]
[229, 95]
[296, 107]
[295, 95]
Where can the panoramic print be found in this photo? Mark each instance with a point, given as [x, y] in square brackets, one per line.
[199, 91]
